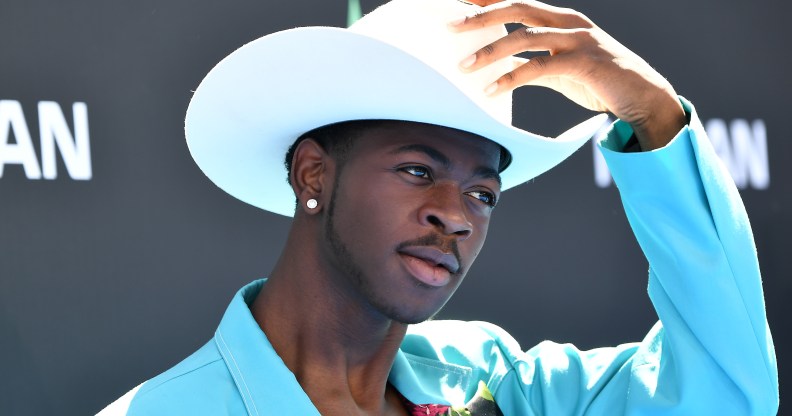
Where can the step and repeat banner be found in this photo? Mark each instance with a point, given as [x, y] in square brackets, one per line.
[118, 257]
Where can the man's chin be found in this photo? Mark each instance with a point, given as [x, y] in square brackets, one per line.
[410, 317]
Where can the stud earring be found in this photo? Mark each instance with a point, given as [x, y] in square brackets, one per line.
[311, 203]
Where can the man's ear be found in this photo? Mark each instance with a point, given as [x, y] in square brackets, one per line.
[311, 169]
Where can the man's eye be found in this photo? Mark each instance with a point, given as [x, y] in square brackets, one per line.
[485, 197]
[417, 171]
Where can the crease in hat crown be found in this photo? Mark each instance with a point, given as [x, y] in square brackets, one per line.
[399, 62]
[420, 28]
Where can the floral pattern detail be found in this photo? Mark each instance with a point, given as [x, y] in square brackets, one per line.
[482, 404]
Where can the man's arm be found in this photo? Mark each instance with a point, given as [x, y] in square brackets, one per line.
[712, 352]
[713, 349]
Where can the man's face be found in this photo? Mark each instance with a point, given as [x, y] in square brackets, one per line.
[409, 214]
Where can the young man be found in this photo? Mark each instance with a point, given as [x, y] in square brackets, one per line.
[392, 209]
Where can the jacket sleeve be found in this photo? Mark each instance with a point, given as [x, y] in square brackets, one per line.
[711, 353]
[714, 348]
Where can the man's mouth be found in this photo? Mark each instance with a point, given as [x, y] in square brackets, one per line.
[430, 265]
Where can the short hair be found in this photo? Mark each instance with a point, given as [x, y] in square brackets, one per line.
[337, 140]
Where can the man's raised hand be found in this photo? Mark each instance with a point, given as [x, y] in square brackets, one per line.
[584, 63]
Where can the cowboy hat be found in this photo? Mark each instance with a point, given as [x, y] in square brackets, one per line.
[398, 62]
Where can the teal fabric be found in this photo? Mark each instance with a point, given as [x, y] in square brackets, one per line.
[710, 354]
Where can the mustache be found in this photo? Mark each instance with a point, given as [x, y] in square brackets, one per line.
[436, 241]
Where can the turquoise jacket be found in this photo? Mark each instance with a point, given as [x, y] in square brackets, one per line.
[710, 354]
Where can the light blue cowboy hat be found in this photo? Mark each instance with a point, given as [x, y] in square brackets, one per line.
[398, 62]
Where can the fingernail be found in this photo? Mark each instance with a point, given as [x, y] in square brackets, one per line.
[457, 22]
[468, 62]
[491, 88]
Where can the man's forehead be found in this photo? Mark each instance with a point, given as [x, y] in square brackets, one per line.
[399, 136]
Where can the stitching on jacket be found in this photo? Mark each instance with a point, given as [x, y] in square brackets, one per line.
[158, 385]
[438, 365]
[231, 354]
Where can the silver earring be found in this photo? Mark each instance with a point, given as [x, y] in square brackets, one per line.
[311, 204]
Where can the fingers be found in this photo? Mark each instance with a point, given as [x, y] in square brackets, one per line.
[566, 34]
[532, 71]
[524, 40]
[529, 13]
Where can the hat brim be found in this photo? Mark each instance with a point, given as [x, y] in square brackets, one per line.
[257, 101]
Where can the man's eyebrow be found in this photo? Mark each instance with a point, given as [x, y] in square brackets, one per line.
[488, 173]
[433, 153]
[439, 157]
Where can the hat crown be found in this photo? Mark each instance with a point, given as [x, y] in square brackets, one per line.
[420, 28]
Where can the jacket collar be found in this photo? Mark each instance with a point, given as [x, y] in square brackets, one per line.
[267, 386]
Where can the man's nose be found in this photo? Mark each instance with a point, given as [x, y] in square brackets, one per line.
[444, 209]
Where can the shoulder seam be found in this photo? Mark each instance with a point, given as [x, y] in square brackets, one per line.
[147, 390]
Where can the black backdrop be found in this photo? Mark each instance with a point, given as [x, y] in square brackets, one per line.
[109, 281]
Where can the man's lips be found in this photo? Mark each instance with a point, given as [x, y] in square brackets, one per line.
[433, 255]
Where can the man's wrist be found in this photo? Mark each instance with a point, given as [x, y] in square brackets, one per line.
[661, 125]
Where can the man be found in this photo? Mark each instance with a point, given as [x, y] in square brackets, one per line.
[392, 209]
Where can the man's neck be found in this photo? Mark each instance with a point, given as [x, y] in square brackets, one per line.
[340, 349]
